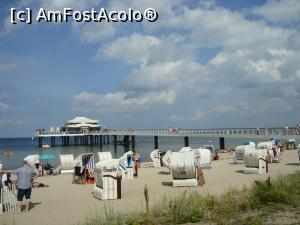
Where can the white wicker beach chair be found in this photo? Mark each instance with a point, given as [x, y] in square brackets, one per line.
[255, 161]
[183, 168]
[155, 157]
[126, 161]
[86, 160]
[8, 200]
[203, 158]
[107, 183]
[67, 163]
[167, 159]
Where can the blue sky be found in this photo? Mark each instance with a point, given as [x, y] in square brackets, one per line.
[202, 64]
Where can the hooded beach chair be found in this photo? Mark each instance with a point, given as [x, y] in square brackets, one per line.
[107, 181]
[155, 156]
[183, 169]
[126, 165]
[255, 161]
[67, 163]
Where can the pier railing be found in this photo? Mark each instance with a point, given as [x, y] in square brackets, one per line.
[251, 132]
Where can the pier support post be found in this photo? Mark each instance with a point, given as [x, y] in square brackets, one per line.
[115, 140]
[222, 143]
[186, 141]
[133, 142]
[40, 142]
[100, 140]
[155, 142]
[126, 141]
[52, 141]
[91, 140]
[84, 140]
[108, 139]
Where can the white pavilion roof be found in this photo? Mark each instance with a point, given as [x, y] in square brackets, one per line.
[82, 125]
[82, 120]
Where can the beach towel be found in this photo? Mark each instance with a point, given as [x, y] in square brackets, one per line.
[39, 185]
[91, 166]
[122, 167]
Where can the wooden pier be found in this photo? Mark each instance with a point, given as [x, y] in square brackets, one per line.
[128, 136]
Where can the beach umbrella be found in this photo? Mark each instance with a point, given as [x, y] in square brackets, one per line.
[47, 157]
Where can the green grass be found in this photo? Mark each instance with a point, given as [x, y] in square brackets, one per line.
[233, 207]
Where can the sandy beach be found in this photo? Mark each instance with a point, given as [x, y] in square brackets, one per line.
[67, 203]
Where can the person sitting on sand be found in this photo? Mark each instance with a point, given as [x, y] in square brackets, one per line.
[25, 176]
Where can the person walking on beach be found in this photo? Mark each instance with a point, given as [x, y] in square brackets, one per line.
[25, 175]
[286, 129]
[297, 129]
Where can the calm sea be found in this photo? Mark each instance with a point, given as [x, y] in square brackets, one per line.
[22, 147]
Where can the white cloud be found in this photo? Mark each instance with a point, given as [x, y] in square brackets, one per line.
[4, 67]
[94, 32]
[145, 49]
[74, 4]
[285, 11]
[255, 59]
[54, 5]
[171, 59]
[12, 122]
[268, 106]
[164, 75]
[6, 95]
[220, 27]
[198, 115]
[5, 108]
[122, 101]
[133, 49]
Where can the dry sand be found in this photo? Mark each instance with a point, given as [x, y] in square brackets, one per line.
[67, 203]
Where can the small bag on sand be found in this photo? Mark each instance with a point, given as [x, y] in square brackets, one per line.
[200, 177]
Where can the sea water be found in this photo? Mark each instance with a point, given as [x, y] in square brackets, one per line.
[22, 147]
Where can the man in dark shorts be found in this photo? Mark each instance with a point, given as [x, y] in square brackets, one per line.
[26, 174]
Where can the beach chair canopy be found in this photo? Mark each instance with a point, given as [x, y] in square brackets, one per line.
[85, 160]
[240, 151]
[32, 159]
[203, 157]
[126, 159]
[107, 168]
[252, 157]
[104, 156]
[290, 140]
[265, 145]
[183, 165]
[167, 159]
[250, 143]
[185, 149]
[67, 162]
[277, 141]
[155, 157]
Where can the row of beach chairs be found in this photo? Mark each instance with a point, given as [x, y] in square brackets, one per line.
[185, 166]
